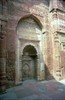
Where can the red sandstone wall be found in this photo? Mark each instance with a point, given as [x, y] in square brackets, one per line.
[18, 10]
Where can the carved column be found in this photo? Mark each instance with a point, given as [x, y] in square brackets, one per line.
[17, 68]
[38, 68]
[57, 70]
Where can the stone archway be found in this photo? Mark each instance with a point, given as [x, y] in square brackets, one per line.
[29, 39]
[29, 63]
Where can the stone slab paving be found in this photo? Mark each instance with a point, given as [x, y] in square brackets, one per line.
[62, 81]
[9, 95]
[35, 90]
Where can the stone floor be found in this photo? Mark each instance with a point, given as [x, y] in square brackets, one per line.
[35, 90]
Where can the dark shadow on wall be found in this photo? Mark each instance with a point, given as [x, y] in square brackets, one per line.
[48, 76]
[10, 69]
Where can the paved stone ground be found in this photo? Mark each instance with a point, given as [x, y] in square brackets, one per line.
[34, 90]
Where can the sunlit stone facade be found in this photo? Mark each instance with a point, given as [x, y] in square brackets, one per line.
[32, 40]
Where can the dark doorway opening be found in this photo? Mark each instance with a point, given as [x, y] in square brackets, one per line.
[29, 63]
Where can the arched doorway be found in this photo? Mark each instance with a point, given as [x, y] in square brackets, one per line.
[29, 63]
[29, 50]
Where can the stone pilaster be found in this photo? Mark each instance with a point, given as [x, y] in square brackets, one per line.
[40, 70]
[56, 67]
[56, 44]
[17, 61]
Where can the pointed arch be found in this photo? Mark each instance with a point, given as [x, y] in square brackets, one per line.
[30, 16]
